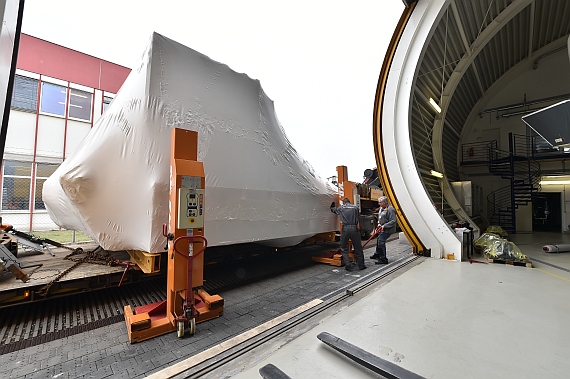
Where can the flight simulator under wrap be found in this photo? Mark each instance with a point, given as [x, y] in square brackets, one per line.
[115, 187]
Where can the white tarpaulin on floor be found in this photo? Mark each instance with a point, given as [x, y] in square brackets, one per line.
[258, 189]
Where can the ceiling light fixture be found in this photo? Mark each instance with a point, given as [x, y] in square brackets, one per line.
[434, 105]
[554, 182]
[436, 174]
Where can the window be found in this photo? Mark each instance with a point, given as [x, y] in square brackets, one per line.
[53, 99]
[106, 102]
[80, 104]
[43, 171]
[25, 94]
[16, 185]
[17, 181]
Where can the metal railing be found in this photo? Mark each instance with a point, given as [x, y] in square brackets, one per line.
[477, 152]
[518, 166]
[534, 147]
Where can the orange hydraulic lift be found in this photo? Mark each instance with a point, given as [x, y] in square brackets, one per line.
[186, 303]
[348, 189]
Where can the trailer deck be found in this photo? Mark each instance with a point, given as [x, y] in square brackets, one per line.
[83, 277]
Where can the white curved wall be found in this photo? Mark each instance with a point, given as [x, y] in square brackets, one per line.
[430, 227]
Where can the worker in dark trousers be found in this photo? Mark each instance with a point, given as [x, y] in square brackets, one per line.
[387, 224]
[349, 216]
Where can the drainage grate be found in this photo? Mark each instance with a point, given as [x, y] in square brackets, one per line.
[39, 322]
[22, 344]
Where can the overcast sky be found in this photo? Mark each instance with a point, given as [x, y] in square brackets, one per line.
[318, 60]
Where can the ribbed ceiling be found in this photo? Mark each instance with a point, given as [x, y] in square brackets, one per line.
[532, 25]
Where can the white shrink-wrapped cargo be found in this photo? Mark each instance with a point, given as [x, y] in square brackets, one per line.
[258, 189]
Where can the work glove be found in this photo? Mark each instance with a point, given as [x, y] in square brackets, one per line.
[333, 205]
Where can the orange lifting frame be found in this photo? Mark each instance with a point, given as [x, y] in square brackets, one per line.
[181, 310]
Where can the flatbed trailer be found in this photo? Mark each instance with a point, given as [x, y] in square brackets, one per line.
[82, 278]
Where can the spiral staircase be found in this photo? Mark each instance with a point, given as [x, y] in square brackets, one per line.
[518, 166]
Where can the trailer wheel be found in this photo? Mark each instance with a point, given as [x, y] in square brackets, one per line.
[180, 329]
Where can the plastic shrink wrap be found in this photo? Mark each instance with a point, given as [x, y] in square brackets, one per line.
[258, 189]
[497, 230]
[493, 246]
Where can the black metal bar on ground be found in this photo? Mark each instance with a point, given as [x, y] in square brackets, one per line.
[272, 372]
[366, 359]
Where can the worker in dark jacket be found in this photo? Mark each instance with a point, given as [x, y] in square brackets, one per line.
[387, 225]
[349, 216]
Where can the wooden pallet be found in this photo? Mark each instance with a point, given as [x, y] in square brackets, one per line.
[511, 262]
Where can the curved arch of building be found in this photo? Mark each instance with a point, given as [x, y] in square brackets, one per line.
[465, 57]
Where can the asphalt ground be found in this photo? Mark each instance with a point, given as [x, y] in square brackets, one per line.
[106, 352]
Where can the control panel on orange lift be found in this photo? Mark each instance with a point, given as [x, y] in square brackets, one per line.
[190, 203]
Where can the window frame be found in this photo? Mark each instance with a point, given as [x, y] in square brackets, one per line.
[11, 176]
[42, 178]
[106, 102]
[18, 79]
[43, 97]
[70, 104]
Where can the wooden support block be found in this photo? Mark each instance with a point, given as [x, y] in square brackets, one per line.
[334, 261]
[511, 262]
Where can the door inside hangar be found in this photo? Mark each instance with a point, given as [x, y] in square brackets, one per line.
[547, 212]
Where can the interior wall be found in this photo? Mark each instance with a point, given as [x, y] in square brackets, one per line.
[551, 78]
[524, 218]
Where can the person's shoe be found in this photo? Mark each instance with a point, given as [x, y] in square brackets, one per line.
[381, 262]
[375, 256]
[362, 268]
[348, 268]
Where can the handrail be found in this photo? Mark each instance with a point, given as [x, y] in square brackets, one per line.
[477, 152]
[523, 174]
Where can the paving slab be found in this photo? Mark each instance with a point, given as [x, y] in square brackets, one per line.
[107, 350]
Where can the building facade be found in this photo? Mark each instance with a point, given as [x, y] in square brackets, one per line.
[58, 95]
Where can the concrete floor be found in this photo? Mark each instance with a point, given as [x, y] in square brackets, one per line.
[437, 318]
[444, 319]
